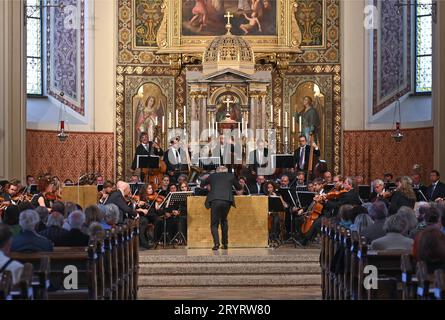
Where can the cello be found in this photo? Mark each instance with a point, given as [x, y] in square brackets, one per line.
[154, 176]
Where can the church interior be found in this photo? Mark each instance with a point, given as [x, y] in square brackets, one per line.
[130, 128]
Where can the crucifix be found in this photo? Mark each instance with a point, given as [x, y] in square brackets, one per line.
[228, 102]
[229, 16]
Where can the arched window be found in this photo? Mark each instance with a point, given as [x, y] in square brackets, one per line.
[34, 69]
[424, 46]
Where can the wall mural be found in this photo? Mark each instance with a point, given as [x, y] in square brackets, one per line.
[311, 19]
[148, 17]
[66, 66]
[392, 54]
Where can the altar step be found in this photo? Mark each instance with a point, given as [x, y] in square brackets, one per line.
[267, 268]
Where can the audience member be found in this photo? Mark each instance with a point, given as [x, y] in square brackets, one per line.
[75, 237]
[394, 239]
[6, 263]
[28, 240]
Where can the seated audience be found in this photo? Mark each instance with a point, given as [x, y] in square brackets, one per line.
[54, 230]
[361, 222]
[411, 221]
[28, 240]
[75, 237]
[377, 212]
[58, 206]
[95, 231]
[431, 249]
[43, 214]
[394, 239]
[5, 262]
[345, 215]
[420, 210]
[111, 218]
[11, 218]
[92, 214]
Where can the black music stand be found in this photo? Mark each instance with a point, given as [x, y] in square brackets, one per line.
[364, 192]
[33, 189]
[283, 161]
[306, 198]
[420, 195]
[147, 162]
[164, 234]
[275, 207]
[286, 193]
[209, 163]
[179, 198]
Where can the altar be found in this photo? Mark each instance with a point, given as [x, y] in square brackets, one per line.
[248, 223]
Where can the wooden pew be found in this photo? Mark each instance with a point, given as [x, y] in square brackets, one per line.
[135, 232]
[5, 285]
[439, 284]
[331, 252]
[409, 279]
[389, 273]
[85, 261]
[347, 272]
[23, 290]
[424, 280]
[355, 246]
[324, 256]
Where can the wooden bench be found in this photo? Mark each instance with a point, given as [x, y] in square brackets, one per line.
[23, 289]
[5, 285]
[439, 284]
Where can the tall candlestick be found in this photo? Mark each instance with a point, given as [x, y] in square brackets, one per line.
[279, 118]
[163, 124]
[293, 124]
[156, 121]
[271, 113]
[185, 115]
[286, 124]
[242, 124]
[300, 120]
[177, 118]
[169, 119]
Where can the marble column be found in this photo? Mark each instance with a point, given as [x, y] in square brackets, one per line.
[12, 90]
[439, 87]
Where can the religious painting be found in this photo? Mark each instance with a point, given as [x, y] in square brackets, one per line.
[250, 17]
[307, 104]
[149, 109]
[147, 19]
[228, 104]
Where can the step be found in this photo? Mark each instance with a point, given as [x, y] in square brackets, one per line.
[229, 280]
[230, 268]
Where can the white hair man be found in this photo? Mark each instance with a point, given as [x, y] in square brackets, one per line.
[118, 198]
[111, 215]
[54, 230]
[28, 240]
[5, 262]
[75, 237]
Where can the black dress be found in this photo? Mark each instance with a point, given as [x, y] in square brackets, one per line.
[399, 200]
[35, 201]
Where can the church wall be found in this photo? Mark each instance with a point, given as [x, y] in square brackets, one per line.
[96, 126]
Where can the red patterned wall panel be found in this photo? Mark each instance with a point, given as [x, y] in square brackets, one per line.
[81, 153]
[372, 153]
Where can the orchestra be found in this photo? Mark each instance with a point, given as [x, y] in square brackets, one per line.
[146, 198]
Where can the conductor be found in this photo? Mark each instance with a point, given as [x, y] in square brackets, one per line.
[219, 200]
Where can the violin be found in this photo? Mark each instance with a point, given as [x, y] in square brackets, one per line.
[156, 197]
[52, 196]
[333, 195]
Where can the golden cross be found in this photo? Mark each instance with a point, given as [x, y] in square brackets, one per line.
[229, 16]
[228, 102]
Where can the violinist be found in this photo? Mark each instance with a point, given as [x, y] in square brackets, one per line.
[245, 191]
[346, 195]
[147, 213]
[270, 191]
[46, 195]
[165, 186]
[176, 215]
[379, 193]
[108, 187]
[120, 197]
[10, 191]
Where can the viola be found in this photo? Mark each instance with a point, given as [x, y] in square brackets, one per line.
[335, 194]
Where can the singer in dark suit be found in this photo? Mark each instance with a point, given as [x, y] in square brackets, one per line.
[219, 200]
[302, 154]
[436, 189]
[145, 148]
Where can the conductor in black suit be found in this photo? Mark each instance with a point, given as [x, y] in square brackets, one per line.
[219, 200]
[145, 148]
[302, 154]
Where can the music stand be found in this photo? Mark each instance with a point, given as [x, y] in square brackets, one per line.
[283, 161]
[100, 187]
[275, 207]
[301, 188]
[147, 162]
[177, 199]
[164, 234]
[327, 188]
[306, 198]
[33, 189]
[209, 163]
[420, 195]
[288, 198]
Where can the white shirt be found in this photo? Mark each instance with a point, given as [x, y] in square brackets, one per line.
[15, 267]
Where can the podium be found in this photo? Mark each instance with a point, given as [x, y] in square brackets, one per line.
[83, 195]
[248, 223]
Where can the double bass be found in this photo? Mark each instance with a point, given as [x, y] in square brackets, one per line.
[154, 176]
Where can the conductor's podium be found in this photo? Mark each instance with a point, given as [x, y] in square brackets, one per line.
[82, 195]
[248, 223]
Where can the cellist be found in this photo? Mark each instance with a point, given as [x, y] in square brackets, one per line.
[313, 223]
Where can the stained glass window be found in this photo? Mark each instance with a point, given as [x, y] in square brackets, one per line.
[34, 47]
[424, 46]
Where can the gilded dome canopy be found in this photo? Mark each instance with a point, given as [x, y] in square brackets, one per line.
[228, 51]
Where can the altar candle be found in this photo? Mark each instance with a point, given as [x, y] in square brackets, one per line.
[300, 120]
[169, 119]
[242, 124]
[285, 120]
[177, 118]
[185, 115]
[163, 124]
[239, 130]
[271, 113]
[279, 118]
[156, 121]
[293, 124]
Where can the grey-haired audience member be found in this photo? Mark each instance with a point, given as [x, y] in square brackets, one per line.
[394, 226]
[411, 221]
[28, 240]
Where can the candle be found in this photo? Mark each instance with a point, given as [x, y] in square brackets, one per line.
[239, 130]
[242, 124]
[177, 118]
[185, 115]
[271, 113]
[169, 119]
[293, 124]
[163, 124]
[279, 118]
[300, 120]
[156, 121]
[285, 120]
